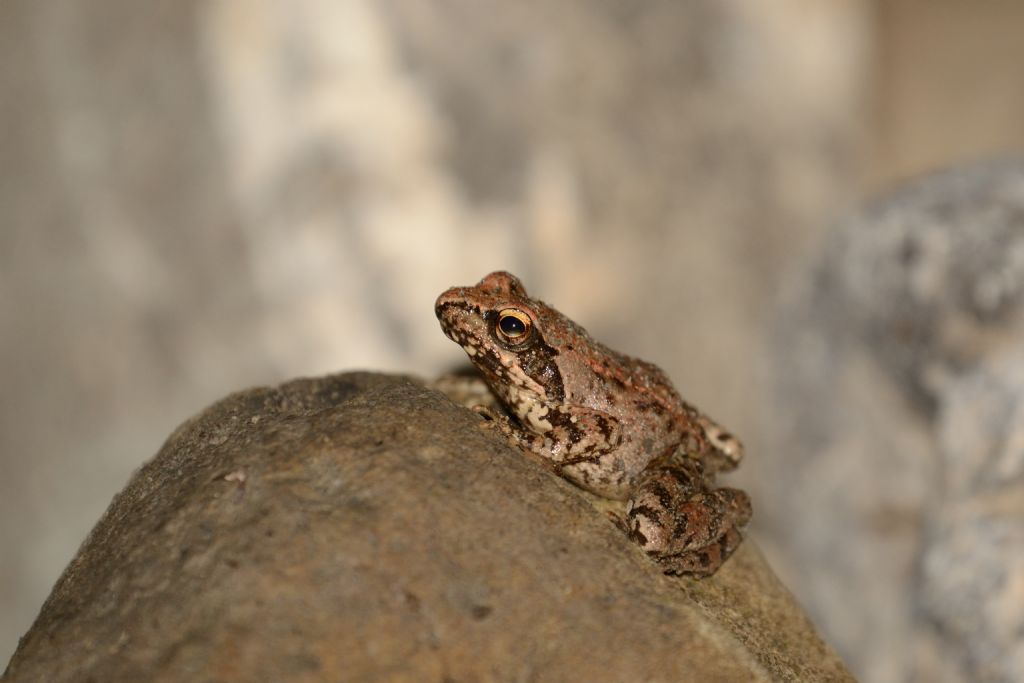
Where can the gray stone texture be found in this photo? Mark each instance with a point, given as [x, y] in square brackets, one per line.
[900, 379]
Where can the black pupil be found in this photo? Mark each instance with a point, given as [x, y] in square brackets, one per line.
[512, 326]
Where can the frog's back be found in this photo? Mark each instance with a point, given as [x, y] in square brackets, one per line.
[650, 381]
[633, 376]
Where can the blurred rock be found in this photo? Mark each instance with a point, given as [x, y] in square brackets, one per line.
[972, 567]
[899, 431]
[362, 527]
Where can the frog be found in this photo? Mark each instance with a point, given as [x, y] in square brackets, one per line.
[609, 423]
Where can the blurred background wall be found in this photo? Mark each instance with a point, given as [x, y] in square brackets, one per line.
[197, 197]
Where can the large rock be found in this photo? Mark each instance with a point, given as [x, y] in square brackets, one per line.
[364, 527]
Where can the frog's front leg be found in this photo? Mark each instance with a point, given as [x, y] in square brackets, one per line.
[684, 524]
[512, 430]
[579, 444]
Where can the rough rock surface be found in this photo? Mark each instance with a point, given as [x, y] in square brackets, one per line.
[900, 424]
[364, 527]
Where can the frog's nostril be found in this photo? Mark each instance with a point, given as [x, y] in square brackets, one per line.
[441, 306]
[448, 298]
[445, 312]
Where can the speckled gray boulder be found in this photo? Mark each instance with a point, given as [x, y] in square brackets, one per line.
[898, 431]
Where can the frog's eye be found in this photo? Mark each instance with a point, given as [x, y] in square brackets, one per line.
[513, 326]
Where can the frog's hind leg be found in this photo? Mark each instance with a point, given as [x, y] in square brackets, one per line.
[686, 526]
[704, 561]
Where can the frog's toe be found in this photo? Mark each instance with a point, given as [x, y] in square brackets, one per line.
[702, 562]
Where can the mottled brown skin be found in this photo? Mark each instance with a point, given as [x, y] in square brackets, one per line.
[610, 423]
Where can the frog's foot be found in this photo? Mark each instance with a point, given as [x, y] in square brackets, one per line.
[468, 390]
[705, 561]
[725, 451]
[495, 418]
[490, 415]
[685, 526]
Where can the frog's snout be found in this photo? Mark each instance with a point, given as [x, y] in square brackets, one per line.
[450, 309]
[443, 301]
[447, 308]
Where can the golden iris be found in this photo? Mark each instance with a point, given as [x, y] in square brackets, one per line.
[513, 325]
